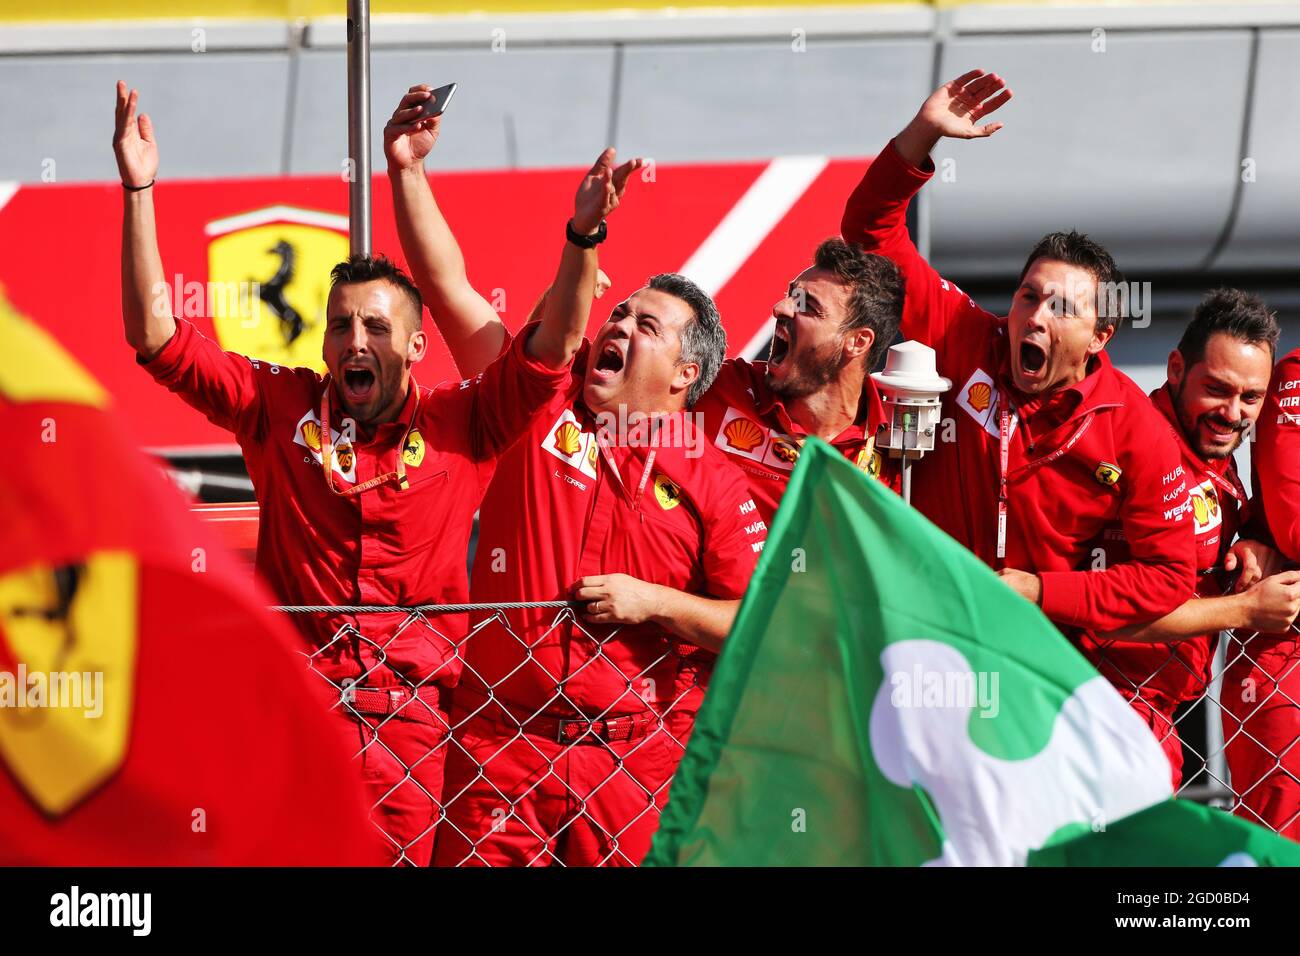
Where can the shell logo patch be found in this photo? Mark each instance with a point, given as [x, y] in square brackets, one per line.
[307, 434]
[311, 435]
[569, 442]
[743, 434]
[413, 453]
[1107, 473]
[979, 398]
[667, 493]
[567, 438]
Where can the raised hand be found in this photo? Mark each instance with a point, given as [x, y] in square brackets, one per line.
[601, 190]
[133, 141]
[957, 110]
[407, 137]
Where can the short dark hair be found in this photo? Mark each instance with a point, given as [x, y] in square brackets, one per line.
[875, 291]
[704, 341]
[364, 267]
[1079, 250]
[1242, 315]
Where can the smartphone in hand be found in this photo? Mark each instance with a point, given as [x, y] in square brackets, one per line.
[437, 102]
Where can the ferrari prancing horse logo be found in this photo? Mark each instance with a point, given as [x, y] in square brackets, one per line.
[667, 493]
[79, 640]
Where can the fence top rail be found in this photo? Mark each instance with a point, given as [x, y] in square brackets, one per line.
[415, 608]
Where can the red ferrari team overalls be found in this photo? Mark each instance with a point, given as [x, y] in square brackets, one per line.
[561, 754]
[1030, 482]
[1261, 686]
[391, 527]
[1156, 678]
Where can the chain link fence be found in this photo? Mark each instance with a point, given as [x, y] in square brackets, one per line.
[1227, 714]
[536, 739]
[533, 739]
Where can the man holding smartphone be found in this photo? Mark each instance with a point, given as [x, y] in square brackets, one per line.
[562, 753]
[367, 484]
[832, 322]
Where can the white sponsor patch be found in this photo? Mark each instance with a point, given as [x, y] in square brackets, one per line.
[567, 441]
[740, 435]
[1206, 511]
[979, 397]
[307, 433]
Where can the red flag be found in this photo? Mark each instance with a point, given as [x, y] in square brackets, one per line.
[151, 711]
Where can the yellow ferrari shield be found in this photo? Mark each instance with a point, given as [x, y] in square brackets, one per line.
[69, 635]
[268, 283]
[413, 453]
[869, 459]
[667, 493]
[1107, 473]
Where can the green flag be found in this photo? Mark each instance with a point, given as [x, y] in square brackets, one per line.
[1174, 833]
[884, 699]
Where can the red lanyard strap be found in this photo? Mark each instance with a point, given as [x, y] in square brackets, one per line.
[1004, 457]
[1233, 487]
[635, 501]
[327, 451]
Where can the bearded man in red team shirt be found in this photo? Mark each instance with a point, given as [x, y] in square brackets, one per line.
[1052, 443]
[1218, 379]
[1261, 686]
[385, 520]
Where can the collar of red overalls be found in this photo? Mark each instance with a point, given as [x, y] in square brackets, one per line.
[871, 411]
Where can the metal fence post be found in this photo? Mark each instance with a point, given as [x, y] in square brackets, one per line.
[359, 126]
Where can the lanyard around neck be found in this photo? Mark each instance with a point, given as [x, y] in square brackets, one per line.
[327, 450]
[1004, 456]
[634, 500]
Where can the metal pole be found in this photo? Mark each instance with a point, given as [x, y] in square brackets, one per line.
[359, 125]
[907, 479]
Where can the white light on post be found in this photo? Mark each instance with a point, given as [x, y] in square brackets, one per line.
[912, 392]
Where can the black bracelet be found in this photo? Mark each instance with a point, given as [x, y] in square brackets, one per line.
[136, 189]
[585, 242]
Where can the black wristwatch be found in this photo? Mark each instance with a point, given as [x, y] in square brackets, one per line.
[585, 242]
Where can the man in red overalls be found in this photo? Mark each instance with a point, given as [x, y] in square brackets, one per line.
[1218, 378]
[616, 500]
[833, 322]
[1261, 687]
[1049, 444]
[367, 485]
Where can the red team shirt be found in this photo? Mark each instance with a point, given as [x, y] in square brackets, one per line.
[1276, 461]
[1167, 674]
[558, 512]
[744, 418]
[1260, 729]
[1082, 459]
[383, 546]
